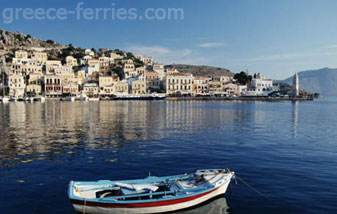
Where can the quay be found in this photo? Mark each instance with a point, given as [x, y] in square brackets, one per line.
[243, 98]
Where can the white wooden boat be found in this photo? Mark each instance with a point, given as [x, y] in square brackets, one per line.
[149, 195]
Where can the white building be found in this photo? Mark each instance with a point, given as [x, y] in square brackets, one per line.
[179, 83]
[260, 86]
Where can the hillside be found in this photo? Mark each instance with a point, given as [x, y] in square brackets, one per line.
[11, 41]
[18, 39]
[322, 81]
[201, 70]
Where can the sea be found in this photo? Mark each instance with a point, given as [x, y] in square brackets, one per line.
[284, 153]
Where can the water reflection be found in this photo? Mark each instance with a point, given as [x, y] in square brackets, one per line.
[295, 118]
[216, 206]
[32, 131]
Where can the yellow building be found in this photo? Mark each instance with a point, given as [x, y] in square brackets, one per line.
[121, 87]
[200, 85]
[35, 89]
[16, 86]
[70, 88]
[138, 86]
[91, 89]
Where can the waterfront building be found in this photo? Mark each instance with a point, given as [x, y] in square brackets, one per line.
[16, 84]
[260, 86]
[34, 89]
[200, 85]
[121, 87]
[138, 86]
[296, 86]
[107, 90]
[179, 83]
[53, 85]
[70, 88]
[231, 89]
[91, 89]
[216, 87]
[105, 81]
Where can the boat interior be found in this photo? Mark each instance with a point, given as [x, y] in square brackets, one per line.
[151, 187]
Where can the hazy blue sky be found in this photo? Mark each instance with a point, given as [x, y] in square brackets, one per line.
[275, 37]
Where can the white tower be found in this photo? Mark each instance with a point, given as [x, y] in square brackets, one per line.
[296, 87]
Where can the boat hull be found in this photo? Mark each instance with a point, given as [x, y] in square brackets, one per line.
[147, 208]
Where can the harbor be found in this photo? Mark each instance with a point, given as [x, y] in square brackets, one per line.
[271, 145]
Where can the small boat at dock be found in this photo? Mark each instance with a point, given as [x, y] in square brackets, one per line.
[149, 195]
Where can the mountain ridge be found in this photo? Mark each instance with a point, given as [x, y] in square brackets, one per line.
[322, 81]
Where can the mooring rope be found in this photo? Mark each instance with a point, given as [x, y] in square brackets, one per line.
[255, 190]
[84, 205]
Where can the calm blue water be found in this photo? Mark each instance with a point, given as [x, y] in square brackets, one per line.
[288, 151]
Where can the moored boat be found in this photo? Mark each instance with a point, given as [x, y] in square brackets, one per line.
[149, 195]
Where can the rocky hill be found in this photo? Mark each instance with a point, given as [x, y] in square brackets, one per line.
[12, 41]
[18, 39]
[201, 70]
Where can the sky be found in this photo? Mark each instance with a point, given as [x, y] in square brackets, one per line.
[276, 38]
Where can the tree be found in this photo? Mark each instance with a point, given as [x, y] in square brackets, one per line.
[50, 41]
[243, 78]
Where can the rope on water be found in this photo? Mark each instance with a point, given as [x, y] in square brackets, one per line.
[255, 190]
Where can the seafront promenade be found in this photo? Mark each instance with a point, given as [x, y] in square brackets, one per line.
[266, 99]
